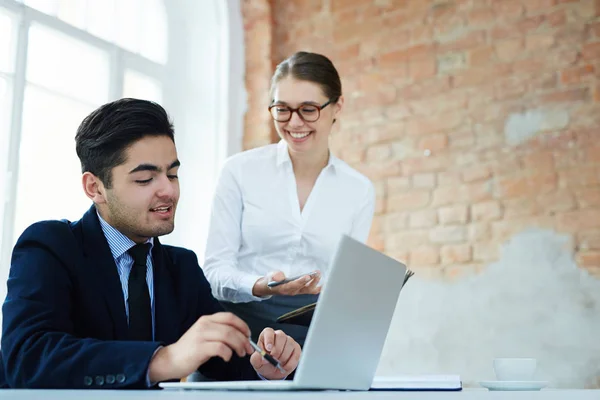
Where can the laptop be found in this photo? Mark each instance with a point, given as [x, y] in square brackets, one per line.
[349, 326]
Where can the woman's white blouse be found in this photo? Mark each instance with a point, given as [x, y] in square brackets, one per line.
[256, 225]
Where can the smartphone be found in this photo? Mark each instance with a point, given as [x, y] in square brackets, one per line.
[293, 278]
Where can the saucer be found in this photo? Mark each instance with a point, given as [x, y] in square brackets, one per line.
[514, 385]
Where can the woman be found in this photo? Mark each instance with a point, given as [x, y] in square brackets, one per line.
[279, 210]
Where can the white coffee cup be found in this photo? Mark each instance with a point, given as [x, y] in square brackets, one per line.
[515, 369]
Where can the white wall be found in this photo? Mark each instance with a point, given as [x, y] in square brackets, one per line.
[206, 99]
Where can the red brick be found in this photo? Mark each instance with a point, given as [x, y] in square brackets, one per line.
[446, 195]
[486, 251]
[412, 200]
[589, 240]
[425, 255]
[480, 231]
[505, 229]
[535, 6]
[481, 17]
[591, 51]
[448, 234]
[397, 184]
[481, 56]
[461, 139]
[422, 67]
[392, 59]
[381, 170]
[507, 9]
[577, 221]
[434, 124]
[455, 254]
[376, 242]
[592, 155]
[486, 211]
[561, 200]
[520, 207]
[557, 18]
[478, 191]
[469, 41]
[352, 154]
[575, 75]
[508, 50]
[543, 182]
[576, 177]
[433, 163]
[448, 178]
[424, 180]
[407, 240]
[394, 222]
[458, 214]
[588, 259]
[538, 161]
[539, 41]
[434, 142]
[423, 219]
[379, 152]
[588, 198]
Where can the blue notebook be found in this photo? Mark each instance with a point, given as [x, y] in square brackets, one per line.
[417, 383]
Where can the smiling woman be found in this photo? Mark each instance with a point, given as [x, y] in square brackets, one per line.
[279, 210]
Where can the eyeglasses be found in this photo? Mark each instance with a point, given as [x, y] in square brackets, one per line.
[306, 112]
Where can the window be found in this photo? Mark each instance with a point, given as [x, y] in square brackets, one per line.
[7, 47]
[59, 60]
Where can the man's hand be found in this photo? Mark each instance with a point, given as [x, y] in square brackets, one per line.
[217, 335]
[303, 285]
[281, 347]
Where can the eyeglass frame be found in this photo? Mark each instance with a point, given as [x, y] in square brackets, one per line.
[297, 111]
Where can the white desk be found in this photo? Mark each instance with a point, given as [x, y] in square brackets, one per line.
[466, 394]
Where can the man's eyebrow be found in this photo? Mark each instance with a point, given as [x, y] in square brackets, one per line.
[154, 168]
[145, 167]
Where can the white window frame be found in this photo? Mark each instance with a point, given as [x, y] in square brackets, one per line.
[216, 134]
[120, 61]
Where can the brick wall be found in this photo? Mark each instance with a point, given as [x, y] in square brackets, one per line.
[475, 119]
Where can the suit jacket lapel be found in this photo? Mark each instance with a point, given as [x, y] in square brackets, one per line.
[166, 312]
[99, 261]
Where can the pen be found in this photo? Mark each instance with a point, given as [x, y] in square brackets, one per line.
[268, 357]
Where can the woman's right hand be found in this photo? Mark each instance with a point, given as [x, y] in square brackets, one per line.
[304, 285]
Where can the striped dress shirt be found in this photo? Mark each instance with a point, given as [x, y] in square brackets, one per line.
[119, 244]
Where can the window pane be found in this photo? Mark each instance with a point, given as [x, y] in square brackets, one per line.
[67, 65]
[72, 12]
[128, 24]
[45, 6]
[141, 87]
[5, 112]
[154, 32]
[101, 18]
[6, 43]
[49, 183]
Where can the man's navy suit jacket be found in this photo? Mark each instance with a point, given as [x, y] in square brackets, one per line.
[64, 320]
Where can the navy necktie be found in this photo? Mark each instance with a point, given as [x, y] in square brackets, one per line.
[140, 309]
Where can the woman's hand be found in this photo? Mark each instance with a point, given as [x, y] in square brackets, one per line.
[306, 284]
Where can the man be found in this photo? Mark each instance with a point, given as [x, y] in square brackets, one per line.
[100, 302]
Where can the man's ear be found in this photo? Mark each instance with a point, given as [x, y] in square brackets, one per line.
[93, 188]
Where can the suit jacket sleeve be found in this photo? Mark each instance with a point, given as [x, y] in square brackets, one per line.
[39, 346]
[238, 368]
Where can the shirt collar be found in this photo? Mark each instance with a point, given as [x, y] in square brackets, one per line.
[117, 242]
[283, 156]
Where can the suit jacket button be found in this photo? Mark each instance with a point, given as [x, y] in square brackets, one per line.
[87, 381]
[110, 379]
[99, 380]
[120, 378]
